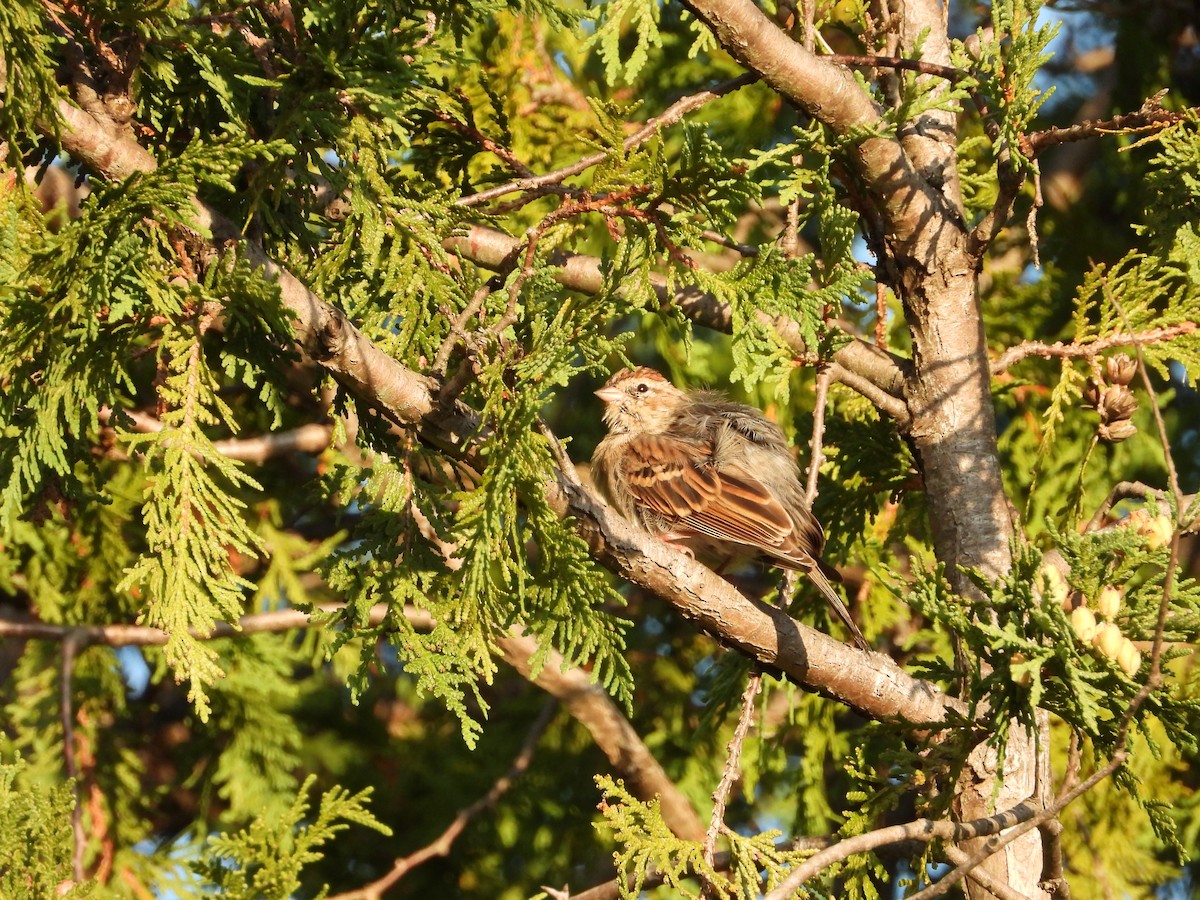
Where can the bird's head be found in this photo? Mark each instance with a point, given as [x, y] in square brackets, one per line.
[640, 400]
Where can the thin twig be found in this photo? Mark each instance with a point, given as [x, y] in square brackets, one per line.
[441, 845]
[897, 62]
[820, 400]
[1088, 349]
[1031, 220]
[72, 644]
[729, 243]
[922, 67]
[1151, 117]
[733, 767]
[497, 149]
[920, 830]
[146, 636]
[458, 328]
[668, 117]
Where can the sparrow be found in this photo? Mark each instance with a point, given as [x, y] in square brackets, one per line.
[710, 475]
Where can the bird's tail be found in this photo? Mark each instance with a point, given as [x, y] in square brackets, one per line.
[817, 577]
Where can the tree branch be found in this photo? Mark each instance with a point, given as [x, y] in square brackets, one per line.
[572, 687]
[665, 119]
[872, 372]
[920, 830]
[1151, 117]
[441, 845]
[1087, 349]
[830, 94]
[870, 683]
[322, 331]
[310, 438]
[732, 770]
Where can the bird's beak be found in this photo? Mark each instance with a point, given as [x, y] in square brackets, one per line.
[609, 394]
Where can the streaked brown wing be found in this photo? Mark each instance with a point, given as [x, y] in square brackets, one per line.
[662, 473]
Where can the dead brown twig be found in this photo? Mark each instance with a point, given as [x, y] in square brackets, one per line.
[1087, 349]
[442, 844]
[733, 768]
[666, 118]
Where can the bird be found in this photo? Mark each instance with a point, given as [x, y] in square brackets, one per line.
[709, 475]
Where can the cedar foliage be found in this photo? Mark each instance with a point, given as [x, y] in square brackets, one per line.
[347, 138]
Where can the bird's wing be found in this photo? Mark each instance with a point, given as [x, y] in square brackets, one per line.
[675, 479]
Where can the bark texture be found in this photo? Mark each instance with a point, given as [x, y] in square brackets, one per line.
[913, 191]
[942, 399]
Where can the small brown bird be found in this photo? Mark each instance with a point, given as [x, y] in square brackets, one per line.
[714, 476]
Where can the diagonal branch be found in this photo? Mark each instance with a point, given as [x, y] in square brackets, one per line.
[830, 94]
[862, 367]
[665, 119]
[441, 845]
[612, 731]
[570, 686]
[870, 683]
[921, 830]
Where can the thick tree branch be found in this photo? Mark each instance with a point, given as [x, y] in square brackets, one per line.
[869, 683]
[321, 331]
[859, 365]
[824, 90]
[829, 93]
[572, 687]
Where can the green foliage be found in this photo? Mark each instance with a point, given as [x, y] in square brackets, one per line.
[28, 88]
[1138, 294]
[1174, 186]
[350, 140]
[643, 19]
[38, 845]
[266, 858]
[194, 518]
[645, 840]
[1004, 69]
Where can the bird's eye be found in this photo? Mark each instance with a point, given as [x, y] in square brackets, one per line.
[642, 387]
